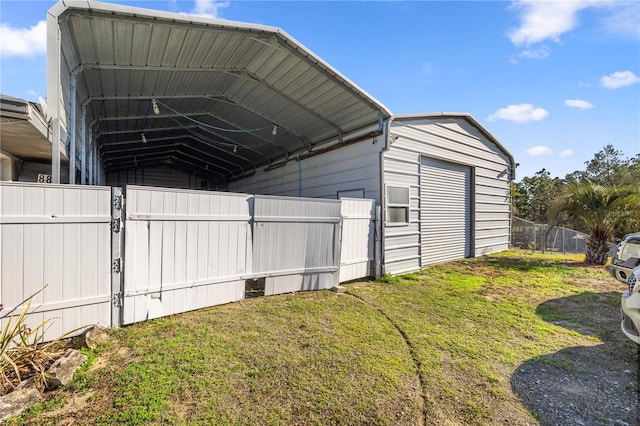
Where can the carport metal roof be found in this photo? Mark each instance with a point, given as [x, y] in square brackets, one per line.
[212, 97]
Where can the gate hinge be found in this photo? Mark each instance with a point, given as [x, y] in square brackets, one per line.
[116, 265]
[117, 202]
[115, 225]
[118, 299]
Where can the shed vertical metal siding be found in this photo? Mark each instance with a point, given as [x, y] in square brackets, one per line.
[184, 250]
[352, 167]
[456, 140]
[58, 236]
[159, 176]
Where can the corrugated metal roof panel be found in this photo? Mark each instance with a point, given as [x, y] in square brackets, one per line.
[125, 57]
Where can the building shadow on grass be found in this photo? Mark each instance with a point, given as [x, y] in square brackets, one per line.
[583, 385]
[522, 263]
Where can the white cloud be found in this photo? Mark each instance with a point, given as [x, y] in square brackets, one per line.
[208, 8]
[23, 41]
[623, 19]
[521, 113]
[536, 54]
[544, 20]
[567, 153]
[539, 150]
[578, 103]
[548, 20]
[619, 79]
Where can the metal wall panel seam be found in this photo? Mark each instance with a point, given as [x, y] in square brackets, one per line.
[403, 258]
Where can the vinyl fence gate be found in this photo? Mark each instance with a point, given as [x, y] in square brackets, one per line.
[110, 261]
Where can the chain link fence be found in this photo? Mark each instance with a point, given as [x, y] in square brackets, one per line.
[532, 236]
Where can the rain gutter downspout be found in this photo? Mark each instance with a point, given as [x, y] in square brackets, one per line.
[299, 177]
[383, 195]
[83, 145]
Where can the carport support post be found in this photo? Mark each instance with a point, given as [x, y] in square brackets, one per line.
[91, 155]
[53, 89]
[72, 130]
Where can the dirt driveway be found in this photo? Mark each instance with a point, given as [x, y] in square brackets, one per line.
[584, 385]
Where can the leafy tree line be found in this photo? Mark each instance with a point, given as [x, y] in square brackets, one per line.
[603, 200]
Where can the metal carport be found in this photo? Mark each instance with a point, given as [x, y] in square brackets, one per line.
[130, 87]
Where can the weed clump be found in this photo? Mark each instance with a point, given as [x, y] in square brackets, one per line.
[23, 354]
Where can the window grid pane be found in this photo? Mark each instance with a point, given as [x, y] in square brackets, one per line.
[398, 215]
[398, 195]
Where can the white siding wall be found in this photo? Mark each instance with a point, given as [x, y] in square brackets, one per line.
[455, 140]
[352, 167]
[402, 242]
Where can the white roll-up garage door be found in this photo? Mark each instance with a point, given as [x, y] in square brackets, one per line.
[445, 211]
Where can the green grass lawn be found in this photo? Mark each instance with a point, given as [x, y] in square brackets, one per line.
[440, 345]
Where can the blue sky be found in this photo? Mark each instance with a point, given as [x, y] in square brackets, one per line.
[554, 82]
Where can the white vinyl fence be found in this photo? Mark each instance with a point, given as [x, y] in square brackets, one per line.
[357, 246]
[110, 260]
[184, 250]
[56, 237]
[296, 243]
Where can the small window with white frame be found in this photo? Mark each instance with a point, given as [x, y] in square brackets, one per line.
[397, 205]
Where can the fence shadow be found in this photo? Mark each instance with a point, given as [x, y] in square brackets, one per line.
[519, 263]
[588, 385]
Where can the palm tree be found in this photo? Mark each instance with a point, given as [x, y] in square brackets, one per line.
[603, 210]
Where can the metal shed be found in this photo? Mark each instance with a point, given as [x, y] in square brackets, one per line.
[442, 181]
[456, 177]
